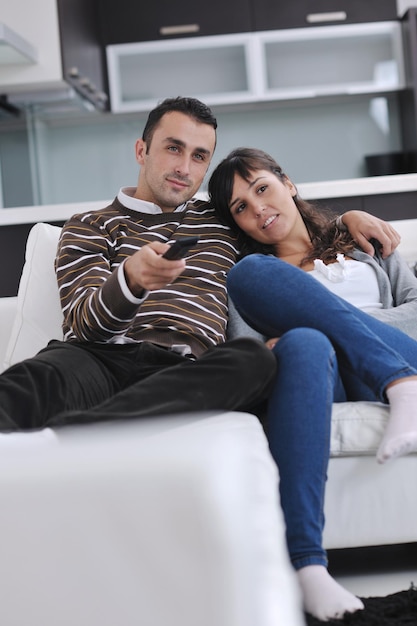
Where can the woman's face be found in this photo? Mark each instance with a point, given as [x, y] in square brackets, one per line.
[264, 206]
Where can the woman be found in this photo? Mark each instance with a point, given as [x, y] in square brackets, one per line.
[304, 279]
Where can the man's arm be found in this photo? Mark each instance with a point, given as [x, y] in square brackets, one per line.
[100, 291]
[147, 269]
[363, 227]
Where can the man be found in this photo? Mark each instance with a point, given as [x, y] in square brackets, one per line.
[143, 335]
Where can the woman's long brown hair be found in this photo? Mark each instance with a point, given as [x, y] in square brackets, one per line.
[326, 239]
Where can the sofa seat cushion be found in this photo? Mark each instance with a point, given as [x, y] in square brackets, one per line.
[357, 428]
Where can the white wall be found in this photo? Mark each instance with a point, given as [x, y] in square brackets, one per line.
[313, 142]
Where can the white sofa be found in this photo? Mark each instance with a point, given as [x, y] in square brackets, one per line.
[232, 527]
[167, 522]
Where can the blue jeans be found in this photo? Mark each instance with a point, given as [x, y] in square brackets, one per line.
[298, 430]
[327, 341]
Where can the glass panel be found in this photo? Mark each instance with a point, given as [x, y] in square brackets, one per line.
[156, 75]
[343, 63]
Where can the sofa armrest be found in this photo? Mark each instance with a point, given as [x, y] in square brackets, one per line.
[8, 308]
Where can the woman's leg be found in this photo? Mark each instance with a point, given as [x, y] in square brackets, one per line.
[273, 297]
[298, 429]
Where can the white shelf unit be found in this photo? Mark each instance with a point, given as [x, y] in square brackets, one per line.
[255, 67]
[333, 60]
[215, 69]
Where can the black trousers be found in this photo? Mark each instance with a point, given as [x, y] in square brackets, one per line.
[74, 383]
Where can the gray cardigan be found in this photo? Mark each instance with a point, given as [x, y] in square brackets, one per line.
[397, 285]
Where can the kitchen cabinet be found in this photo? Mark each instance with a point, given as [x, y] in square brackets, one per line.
[392, 206]
[39, 29]
[338, 60]
[387, 206]
[83, 56]
[68, 56]
[214, 69]
[340, 205]
[271, 14]
[408, 98]
[291, 64]
[127, 21]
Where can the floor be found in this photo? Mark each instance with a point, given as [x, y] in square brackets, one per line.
[378, 571]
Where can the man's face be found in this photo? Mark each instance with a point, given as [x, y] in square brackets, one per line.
[174, 164]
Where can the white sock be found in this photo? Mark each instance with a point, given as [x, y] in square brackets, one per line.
[400, 436]
[323, 597]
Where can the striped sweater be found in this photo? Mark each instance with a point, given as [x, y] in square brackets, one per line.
[192, 310]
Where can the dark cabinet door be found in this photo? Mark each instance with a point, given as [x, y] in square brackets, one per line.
[124, 21]
[340, 205]
[275, 14]
[387, 206]
[392, 206]
[83, 57]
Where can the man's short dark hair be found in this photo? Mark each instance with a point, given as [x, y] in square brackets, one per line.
[189, 106]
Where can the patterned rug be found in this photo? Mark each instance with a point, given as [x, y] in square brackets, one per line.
[397, 609]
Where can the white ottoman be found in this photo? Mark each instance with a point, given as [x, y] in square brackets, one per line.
[169, 522]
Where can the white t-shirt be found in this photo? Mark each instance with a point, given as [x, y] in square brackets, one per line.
[352, 280]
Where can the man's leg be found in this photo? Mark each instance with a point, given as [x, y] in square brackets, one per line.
[236, 375]
[61, 377]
